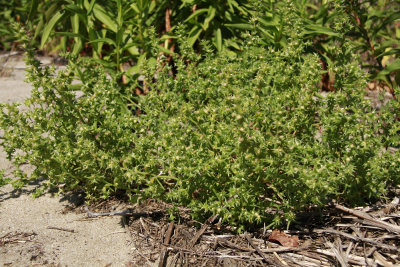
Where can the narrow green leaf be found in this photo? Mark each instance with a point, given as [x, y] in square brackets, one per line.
[50, 26]
[209, 18]
[119, 14]
[119, 36]
[238, 7]
[90, 9]
[167, 37]
[197, 13]
[165, 50]
[74, 9]
[33, 9]
[218, 39]
[51, 11]
[39, 27]
[135, 8]
[70, 34]
[318, 30]
[106, 63]
[104, 17]
[75, 29]
[136, 68]
[233, 44]
[152, 6]
[104, 40]
[393, 67]
[133, 50]
[269, 22]
[194, 36]
[240, 26]
[393, 51]
[392, 17]
[75, 87]
[129, 46]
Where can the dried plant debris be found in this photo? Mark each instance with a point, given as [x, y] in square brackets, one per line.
[17, 237]
[365, 236]
[283, 239]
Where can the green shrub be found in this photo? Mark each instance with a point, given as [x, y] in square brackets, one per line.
[240, 135]
[248, 137]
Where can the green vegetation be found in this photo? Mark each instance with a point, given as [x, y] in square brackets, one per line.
[234, 124]
[11, 11]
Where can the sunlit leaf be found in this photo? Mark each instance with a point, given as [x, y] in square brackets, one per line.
[105, 17]
[197, 13]
[218, 39]
[104, 40]
[240, 26]
[48, 29]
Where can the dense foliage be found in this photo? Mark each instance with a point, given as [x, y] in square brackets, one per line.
[246, 135]
[11, 11]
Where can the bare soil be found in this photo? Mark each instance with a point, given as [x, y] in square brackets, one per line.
[63, 231]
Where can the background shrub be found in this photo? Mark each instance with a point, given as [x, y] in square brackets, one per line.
[116, 32]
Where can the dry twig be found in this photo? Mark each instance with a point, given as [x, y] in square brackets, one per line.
[260, 252]
[356, 238]
[202, 230]
[164, 251]
[61, 229]
[368, 219]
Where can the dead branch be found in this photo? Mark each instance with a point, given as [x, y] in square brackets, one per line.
[260, 252]
[356, 238]
[201, 231]
[164, 251]
[61, 229]
[368, 219]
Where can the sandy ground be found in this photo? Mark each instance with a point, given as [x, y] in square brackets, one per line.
[26, 237]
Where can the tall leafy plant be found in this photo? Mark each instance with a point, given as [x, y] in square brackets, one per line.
[378, 38]
[118, 31]
[371, 28]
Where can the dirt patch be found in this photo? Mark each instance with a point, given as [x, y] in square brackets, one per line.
[39, 231]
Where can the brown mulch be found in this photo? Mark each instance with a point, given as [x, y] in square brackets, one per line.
[340, 236]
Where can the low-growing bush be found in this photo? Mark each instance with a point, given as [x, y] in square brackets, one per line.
[251, 138]
[248, 137]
